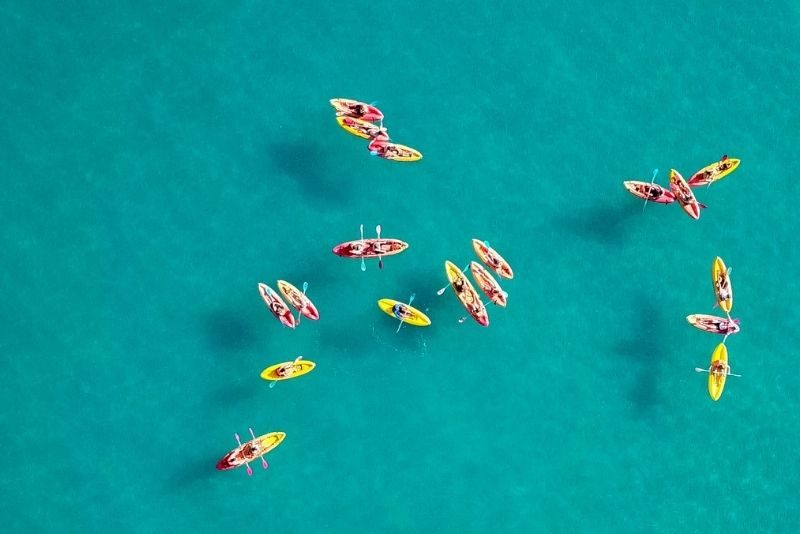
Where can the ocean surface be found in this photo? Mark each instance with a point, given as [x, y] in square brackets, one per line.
[159, 159]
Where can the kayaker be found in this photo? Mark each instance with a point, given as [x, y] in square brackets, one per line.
[401, 311]
[285, 370]
[276, 307]
[356, 110]
[719, 368]
[724, 287]
[458, 284]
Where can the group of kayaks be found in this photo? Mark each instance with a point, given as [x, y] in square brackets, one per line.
[464, 290]
[294, 296]
[680, 189]
[359, 118]
[719, 369]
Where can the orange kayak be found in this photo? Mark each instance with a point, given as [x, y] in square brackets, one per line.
[490, 257]
[488, 284]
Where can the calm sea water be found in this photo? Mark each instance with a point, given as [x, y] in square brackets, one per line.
[157, 161]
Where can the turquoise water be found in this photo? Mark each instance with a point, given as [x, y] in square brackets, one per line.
[159, 161]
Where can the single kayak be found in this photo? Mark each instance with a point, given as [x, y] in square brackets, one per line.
[287, 370]
[276, 305]
[714, 172]
[714, 325]
[346, 107]
[718, 371]
[298, 299]
[466, 294]
[488, 284]
[405, 312]
[651, 192]
[393, 151]
[722, 285]
[362, 128]
[683, 194]
[250, 450]
[490, 257]
[370, 248]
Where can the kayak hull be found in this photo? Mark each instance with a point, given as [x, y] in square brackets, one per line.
[362, 128]
[300, 368]
[250, 450]
[488, 284]
[713, 324]
[719, 277]
[492, 259]
[716, 381]
[299, 300]
[468, 297]
[713, 172]
[344, 107]
[683, 194]
[276, 306]
[414, 317]
[393, 151]
[370, 248]
[649, 191]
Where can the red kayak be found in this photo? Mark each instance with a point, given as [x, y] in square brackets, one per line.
[248, 451]
[298, 299]
[370, 248]
[276, 305]
[651, 192]
[346, 107]
[684, 195]
[715, 325]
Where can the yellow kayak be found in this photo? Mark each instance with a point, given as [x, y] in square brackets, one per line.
[405, 312]
[393, 151]
[466, 294]
[722, 285]
[362, 128]
[287, 370]
[716, 378]
[714, 172]
[250, 450]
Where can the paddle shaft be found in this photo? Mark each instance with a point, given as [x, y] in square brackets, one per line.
[701, 370]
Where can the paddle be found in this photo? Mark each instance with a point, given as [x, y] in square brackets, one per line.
[655, 172]
[249, 469]
[441, 291]
[701, 370]
[363, 265]
[413, 296]
[264, 463]
[380, 258]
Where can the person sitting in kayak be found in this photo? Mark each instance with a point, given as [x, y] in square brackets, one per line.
[458, 285]
[719, 368]
[401, 311]
[357, 247]
[286, 370]
[724, 288]
[276, 307]
[355, 110]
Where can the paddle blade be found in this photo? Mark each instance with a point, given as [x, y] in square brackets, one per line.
[249, 470]
[399, 327]
[272, 384]
[378, 231]
[264, 463]
[441, 291]
[305, 287]
[380, 263]
[413, 296]
[363, 265]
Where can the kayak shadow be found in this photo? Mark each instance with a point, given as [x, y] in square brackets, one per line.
[605, 224]
[643, 350]
[307, 163]
[229, 330]
[194, 471]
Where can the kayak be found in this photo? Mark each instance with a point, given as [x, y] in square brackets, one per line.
[362, 128]
[467, 295]
[355, 109]
[488, 284]
[683, 194]
[490, 257]
[405, 312]
[298, 299]
[393, 151]
[716, 380]
[250, 450]
[276, 305]
[370, 248]
[649, 191]
[714, 172]
[715, 325]
[296, 368]
[722, 285]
